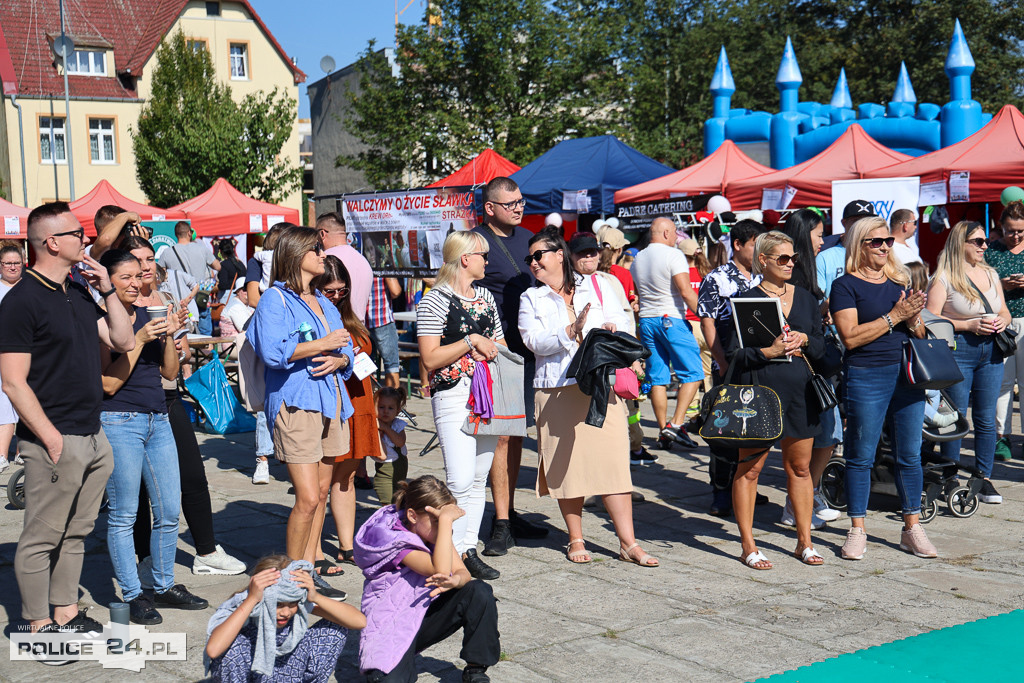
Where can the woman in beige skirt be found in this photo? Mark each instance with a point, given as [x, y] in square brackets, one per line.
[576, 460]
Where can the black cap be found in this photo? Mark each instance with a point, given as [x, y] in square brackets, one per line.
[858, 208]
[582, 241]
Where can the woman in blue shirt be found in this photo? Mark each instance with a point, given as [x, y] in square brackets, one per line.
[874, 313]
[306, 403]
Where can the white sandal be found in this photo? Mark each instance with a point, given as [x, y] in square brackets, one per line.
[754, 558]
[810, 553]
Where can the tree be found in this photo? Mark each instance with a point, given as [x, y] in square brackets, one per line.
[515, 75]
[191, 132]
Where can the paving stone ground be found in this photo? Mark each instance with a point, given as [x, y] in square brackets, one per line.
[701, 616]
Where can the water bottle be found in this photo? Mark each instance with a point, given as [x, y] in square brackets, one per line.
[306, 333]
[666, 322]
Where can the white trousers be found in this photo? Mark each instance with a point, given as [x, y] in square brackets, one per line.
[1013, 372]
[467, 461]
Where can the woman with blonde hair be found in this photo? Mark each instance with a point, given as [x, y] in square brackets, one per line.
[457, 325]
[966, 291]
[874, 312]
[774, 260]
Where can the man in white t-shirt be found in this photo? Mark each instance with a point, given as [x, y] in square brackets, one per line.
[662, 278]
[902, 226]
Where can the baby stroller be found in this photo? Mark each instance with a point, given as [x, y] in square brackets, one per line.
[941, 480]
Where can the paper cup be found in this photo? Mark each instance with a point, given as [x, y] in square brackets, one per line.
[156, 312]
[989, 317]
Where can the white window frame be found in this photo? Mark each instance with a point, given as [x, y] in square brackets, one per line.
[244, 58]
[51, 133]
[95, 63]
[100, 134]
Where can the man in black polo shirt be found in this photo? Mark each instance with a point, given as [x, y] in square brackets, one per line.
[50, 331]
[507, 276]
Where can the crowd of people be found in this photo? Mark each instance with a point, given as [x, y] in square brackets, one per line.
[91, 347]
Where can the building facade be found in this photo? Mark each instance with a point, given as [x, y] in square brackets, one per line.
[109, 78]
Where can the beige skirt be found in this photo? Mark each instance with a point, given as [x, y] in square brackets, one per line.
[576, 459]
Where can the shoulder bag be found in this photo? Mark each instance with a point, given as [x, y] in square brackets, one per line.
[822, 388]
[626, 383]
[1005, 340]
[741, 415]
[929, 364]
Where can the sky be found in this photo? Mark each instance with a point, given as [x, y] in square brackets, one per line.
[310, 29]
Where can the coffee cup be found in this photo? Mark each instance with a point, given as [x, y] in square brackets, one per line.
[990, 317]
[156, 312]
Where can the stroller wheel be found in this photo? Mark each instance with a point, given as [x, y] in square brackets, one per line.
[833, 484]
[16, 489]
[928, 510]
[961, 503]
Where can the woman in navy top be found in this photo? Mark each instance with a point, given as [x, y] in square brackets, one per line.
[875, 313]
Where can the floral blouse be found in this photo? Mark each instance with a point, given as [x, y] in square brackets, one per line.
[442, 313]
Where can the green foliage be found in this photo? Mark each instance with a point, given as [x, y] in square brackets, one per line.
[520, 76]
[191, 132]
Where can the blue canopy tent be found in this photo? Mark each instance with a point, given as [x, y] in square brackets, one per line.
[600, 165]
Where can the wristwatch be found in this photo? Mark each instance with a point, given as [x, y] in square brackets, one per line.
[104, 295]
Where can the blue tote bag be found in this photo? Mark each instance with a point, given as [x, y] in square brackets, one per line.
[210, 388]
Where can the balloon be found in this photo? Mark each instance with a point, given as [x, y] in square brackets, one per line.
[612, 222]
[1011, 194]
[554, 219]
[718, 204]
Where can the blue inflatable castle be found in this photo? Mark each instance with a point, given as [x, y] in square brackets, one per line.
[803, 129]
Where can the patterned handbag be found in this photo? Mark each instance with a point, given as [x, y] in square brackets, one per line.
[741, 415]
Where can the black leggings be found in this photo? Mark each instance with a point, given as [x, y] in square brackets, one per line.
[195, 491]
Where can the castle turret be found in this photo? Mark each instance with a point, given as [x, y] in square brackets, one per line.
[904, 90]
[722, 88]
[788, 79]
[786, 124]
[841, 95]
[961, 116]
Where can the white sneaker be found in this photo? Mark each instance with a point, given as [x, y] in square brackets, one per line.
[4, 464]
[217, 562]
[262, 473]
[18, 460]
[789, 520]
[821, 509]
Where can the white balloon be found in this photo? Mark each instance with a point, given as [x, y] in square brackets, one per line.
[613, 222]
[554, 219]
[719, 204]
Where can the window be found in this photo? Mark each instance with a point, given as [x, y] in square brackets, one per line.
[213, 9]
[197, 44]
[101, 141]
[90, 62]
[239, 61]
[51, 140]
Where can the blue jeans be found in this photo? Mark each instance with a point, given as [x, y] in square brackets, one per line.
[982, 366]
[264, 444]
[144, 451]
[205, 323]
[385, 343]
[874, 396]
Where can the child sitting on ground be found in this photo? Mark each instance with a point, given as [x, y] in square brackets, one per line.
[417, 590]
[263, 634]
[395, 467]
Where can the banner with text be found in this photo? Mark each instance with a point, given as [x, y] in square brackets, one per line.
[638, 215]
[401, 233]
[886, 194]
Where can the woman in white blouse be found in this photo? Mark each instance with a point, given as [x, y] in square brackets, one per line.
[576, 459]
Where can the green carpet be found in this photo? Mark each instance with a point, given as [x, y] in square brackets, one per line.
[984, 649]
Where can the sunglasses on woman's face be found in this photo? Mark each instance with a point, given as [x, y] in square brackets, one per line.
[331, 291]
[877, 242]
[783, 259]
[979, 242]
[538, 255]
[318, 249]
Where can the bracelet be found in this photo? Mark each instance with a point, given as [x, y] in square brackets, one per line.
[468, 342]
[914, 327]
[104, 295]
[888, 321]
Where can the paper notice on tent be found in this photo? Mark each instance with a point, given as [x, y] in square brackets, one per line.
[11, 225]
[401, 233]
[634, 216]
[255, 222]
[274, 220]
[771, 199]
[576, 201]
[787, 197]
[959, 186]
[885, 194]
[933, 194]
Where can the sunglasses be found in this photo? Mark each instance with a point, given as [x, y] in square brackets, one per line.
[783, 259]
[79, 234]
[330, 291]
[479, 253]
[536, 256]
[979, 242]
[877, 242]
[318, 248]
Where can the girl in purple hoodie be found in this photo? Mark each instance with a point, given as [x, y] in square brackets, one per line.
[417, 590]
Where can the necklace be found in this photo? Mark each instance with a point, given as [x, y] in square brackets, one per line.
[768, 291]
[880, 274]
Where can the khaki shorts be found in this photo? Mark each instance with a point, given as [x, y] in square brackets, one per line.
[308, 436]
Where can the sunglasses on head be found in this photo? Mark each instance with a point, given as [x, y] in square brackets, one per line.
[538, 255]
[877, 242]
[979, 242]
[783, 259]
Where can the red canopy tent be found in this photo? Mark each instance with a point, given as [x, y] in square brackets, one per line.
[223, 210]
[994, 156]
[103, 194]
[853, 155]
[482, 168]
[15, 219]
[712, 175]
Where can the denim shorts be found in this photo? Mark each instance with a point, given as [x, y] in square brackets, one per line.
[385, 342]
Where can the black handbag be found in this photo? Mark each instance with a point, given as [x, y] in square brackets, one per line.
[929, 364]
[741, 415]
[822, 389]
[1006, 340]
[831, 363]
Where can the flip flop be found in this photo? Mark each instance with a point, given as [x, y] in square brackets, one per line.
[755, 558]
[808, 556]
